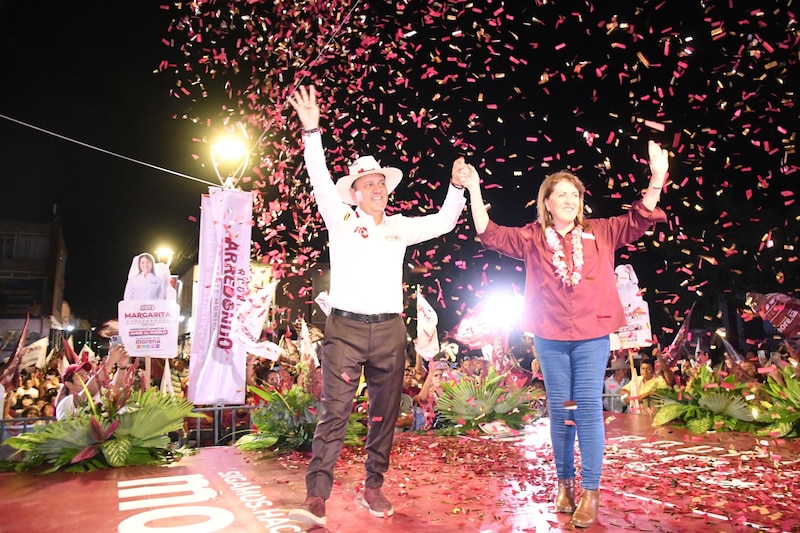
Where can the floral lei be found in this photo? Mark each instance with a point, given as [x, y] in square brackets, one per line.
[568, 278]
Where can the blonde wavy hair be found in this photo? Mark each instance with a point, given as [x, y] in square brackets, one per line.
[544, 217]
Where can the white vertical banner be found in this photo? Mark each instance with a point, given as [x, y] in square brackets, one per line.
[427, 343]
[636, 333]
[166, 379]
[217, 365]
[306, 346]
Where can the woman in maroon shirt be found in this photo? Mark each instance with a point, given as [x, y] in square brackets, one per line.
[571, 306]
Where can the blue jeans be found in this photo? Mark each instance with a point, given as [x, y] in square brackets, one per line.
[574, 370]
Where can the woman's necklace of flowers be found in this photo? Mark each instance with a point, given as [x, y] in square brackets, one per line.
[568, 278]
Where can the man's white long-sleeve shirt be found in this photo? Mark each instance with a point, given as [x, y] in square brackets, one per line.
[367, 258]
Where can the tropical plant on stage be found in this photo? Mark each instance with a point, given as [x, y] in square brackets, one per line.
[470, 401]
[709, 402]
[287, 422]
[128, 428]
[781, 405]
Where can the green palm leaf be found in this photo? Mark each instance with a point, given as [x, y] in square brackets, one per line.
[256, 442]
[140, 438]
[71, 433]
[151, 415]
[725, 404]
[668, 413]
[466, 400]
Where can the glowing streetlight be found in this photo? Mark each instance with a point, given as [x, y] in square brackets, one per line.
[232, 151]
[164, 255]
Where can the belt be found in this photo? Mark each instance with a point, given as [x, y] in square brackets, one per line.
[368, 319]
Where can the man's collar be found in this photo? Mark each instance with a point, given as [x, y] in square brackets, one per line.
[363, 215]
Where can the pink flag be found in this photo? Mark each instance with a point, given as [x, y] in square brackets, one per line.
[427, 343]
[475, 329]
[674, 351]
[69, 350]
[9, 378]
[217, 370]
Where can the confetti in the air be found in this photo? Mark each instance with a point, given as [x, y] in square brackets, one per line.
[520, 94]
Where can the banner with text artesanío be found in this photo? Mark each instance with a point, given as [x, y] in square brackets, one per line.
[217, 365]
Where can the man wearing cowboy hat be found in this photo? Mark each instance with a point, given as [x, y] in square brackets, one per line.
[364, 330]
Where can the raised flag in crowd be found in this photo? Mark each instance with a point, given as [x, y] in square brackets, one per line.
[427, 342]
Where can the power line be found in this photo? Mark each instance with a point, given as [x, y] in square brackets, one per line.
[108, 152]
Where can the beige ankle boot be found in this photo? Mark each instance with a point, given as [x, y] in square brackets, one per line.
[565, 497]
[586, 513]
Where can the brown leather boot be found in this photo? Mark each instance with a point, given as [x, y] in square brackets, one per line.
[565, 497]
[586, 513]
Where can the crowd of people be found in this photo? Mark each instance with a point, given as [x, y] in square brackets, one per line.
[51, 393]
[36, 395]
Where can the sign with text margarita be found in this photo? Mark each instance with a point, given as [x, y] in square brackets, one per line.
[149, 327]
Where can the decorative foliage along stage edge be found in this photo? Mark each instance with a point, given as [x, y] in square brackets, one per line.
[128, 432]
[288, 420]
[467, 403]
[715, 402]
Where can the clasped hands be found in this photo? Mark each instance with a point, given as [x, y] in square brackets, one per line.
[464, 175]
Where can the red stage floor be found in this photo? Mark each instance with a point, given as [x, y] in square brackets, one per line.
[655, 479]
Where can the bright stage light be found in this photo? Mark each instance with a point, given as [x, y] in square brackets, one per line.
[503, 309]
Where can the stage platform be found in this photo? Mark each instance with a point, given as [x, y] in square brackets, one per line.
[655, 479]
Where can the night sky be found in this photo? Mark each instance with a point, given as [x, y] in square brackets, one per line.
[519, 91]
[85, 70]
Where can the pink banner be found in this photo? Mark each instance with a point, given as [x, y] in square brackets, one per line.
[217, 366]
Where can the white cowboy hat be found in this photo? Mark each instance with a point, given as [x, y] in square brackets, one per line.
[619, 364]
[364, 166]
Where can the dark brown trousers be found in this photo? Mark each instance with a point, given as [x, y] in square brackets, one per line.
[349, 346]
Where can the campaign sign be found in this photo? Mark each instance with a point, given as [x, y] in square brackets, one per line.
[149, 327]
